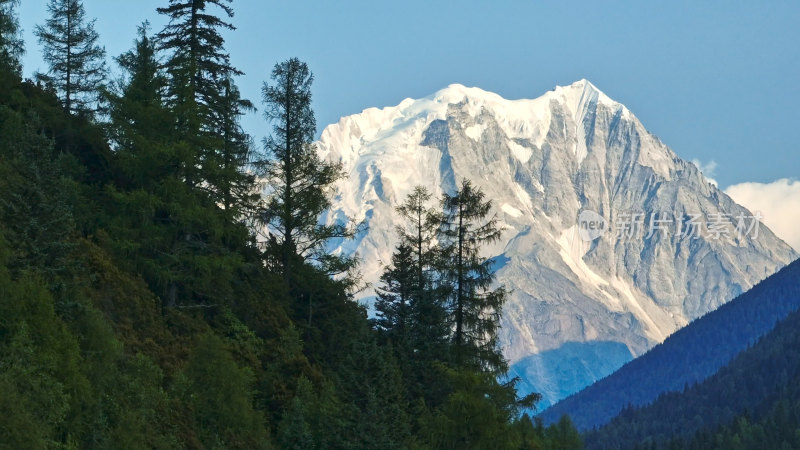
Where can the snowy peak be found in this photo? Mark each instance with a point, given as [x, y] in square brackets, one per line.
[582, 96]
[456, 93]
[527, 122]
[579, 307]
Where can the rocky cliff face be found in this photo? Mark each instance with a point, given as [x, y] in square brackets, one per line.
[612, 242]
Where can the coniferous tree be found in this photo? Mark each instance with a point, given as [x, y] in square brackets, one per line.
[70, 48]
[294, 431]
[219, 394]
[211, 150]
[172, 232]
[474, 308]
[234, 186]
[35, 197]
[11, 44]
[299, 181]
[428, 317]
[139, 116]
[410, 307]
[393, 306]
[197, 62]
[204, 97]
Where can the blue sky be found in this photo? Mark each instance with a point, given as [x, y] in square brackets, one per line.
[716, 81]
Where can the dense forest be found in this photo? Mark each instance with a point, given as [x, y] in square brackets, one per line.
[751, 403]
[164, 281]
[688, 356]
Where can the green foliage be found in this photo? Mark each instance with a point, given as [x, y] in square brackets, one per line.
[206, 103]
[35, 196]
[232, 186]
[11, 45]
[218, 394]
[138, 311]
[197, 61]
[161, 210]
[70, 48]
[395, 297]
[474, 308]
[476, 414]
[294, 430]
[299, 182]
[410, 307]
[40, 371]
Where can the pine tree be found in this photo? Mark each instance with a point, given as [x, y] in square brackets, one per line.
[219, 395]
[428, 318]
[294, 431]
[139, 117]
[393, 306]
[474, 308]
[11, 44]
[204, 97]
[197, 62]
[410, 307]
[298, 180]
[172, 232]
[36, 197]
[77, 64]
[233, 185]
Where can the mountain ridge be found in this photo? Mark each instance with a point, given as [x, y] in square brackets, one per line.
[688, 356]
[737, 361]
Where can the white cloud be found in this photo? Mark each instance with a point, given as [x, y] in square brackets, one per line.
[707, 169]
[778, 202]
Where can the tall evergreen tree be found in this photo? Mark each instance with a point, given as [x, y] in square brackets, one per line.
[203, 96]
[211, 150]
[298, 180]
[393, 306]
[35, 197]
[139, 116]
[197, 61]
[474, 308]
[428, 318]
[70, 48]
[11, 44]
[234, 185]
[410, 307]
[172, 232]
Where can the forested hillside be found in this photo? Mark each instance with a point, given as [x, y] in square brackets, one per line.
[690, 355]
[152, 297]
[753, 402]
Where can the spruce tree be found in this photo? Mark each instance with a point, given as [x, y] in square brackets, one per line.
[428, 319]
[473, 307]
[393, 306]
[233, 184]
[204, 97]
[197, 60]
[410, 307]
[172, 232]
[219, 394]
[36, 197]
[139, 116]
[299, 181]
[11, 44]
[70, 48]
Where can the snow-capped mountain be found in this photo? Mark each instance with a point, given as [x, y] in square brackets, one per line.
[562, 169]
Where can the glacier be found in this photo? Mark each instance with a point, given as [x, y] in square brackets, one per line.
[579, 307]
